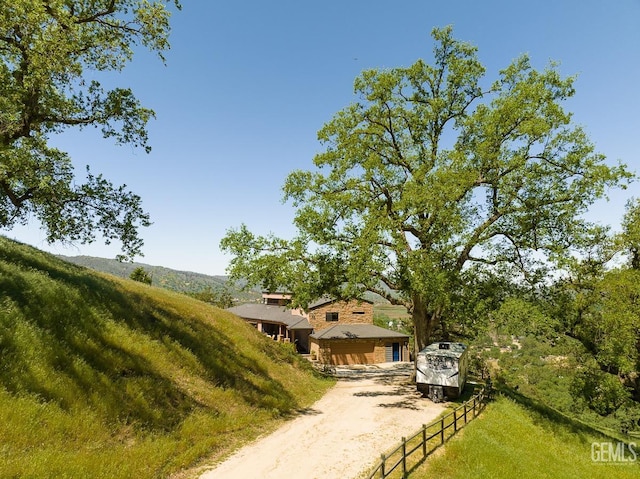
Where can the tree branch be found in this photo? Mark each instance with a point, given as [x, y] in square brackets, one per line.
[111, 8]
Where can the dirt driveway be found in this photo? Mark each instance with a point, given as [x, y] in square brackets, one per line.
[366, 413]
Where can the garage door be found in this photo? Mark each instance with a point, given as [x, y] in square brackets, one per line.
[346, 352]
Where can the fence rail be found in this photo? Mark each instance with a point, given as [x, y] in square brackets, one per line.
[429, 438]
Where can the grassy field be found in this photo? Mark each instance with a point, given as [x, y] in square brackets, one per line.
[514, 439]
[108, 378]
[392, 316]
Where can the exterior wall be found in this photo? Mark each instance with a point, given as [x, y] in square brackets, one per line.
[346, 314]
[275, 298]
[381, 349]
[314, 349]
[350, 351]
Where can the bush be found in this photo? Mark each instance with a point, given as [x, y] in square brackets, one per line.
[140, 275]
[603, 393]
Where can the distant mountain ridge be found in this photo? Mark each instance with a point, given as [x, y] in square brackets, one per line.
[180, 281]
[175, 280]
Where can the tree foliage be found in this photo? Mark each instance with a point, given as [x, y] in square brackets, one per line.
[139, 274]
[221, 298]
[604, 315]
[46, 49]
[629, 240]
[430, 172]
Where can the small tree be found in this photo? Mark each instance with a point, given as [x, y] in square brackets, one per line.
[139, 274]
[220, 297]
[430, 172]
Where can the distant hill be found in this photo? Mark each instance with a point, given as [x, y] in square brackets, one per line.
[181, 281]
[104, 377]
[175, 280]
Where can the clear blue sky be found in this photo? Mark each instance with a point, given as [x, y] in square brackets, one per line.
[248, 83]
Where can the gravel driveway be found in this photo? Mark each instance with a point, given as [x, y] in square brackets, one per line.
[366, 413]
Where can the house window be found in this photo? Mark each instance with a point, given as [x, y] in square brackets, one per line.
[358, 312]
[276, 301]
[331, 316]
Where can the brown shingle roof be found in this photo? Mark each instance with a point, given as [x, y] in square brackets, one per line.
[357, 331]
[270, 313]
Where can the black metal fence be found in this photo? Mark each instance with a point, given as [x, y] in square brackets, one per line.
[428, 439]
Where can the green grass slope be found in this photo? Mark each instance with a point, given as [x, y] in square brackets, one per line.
[528, 441]
[108, 378]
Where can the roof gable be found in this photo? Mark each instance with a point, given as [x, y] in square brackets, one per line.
[330, 299]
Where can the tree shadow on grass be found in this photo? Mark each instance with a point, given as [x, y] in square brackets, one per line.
[58, 318]
[547, 416]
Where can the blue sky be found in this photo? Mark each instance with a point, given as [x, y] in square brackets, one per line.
[248, 84]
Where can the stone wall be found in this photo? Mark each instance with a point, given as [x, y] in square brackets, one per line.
[351, 312]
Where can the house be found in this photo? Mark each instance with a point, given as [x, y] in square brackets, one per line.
[332, 331]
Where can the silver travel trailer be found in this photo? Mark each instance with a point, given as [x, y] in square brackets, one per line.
[442, 370]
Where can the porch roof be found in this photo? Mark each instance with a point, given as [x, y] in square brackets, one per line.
[270, 313]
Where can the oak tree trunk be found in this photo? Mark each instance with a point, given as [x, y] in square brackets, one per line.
[425, 322]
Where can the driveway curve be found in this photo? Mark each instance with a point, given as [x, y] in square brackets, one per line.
[366, 413]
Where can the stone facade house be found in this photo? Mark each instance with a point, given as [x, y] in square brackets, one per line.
[332, 331]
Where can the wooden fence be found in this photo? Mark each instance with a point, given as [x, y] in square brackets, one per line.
[428, 439]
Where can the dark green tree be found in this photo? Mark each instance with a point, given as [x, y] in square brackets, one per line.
[139, 274]
[219, 297]
[629, 239]
[598, 303]
[431, 171]
[46, 49]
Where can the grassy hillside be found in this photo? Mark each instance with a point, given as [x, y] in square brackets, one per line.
[104, 377]
[526, 440]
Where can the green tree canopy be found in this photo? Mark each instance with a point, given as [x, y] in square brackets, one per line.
[140, 274]
[46, 48]
[629, 239]
[600, 305]
[221, 298]
[431, 171]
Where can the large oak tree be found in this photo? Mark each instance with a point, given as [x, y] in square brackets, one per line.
[46, 49]
[432, 173]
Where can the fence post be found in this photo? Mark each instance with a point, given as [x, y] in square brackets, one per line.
[465, 413]
[382, 473]
[475, 414]
[424, 440]
[441, 431]
[455, 421]
[404, 457]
